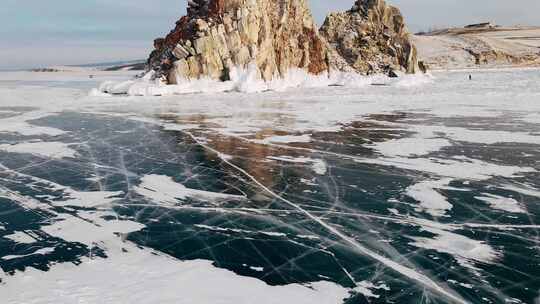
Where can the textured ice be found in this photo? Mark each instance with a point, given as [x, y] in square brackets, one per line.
[287, 139]
[463, 248]
[368, 289]
[248, 81]
[42, 251]
[163, 189]
[502, 203]
[19, 124]
[431, 200]
[20, 237]
[44, 149]
[140, 276]
[411, 146]
[87, 199]
[318, 165]
[420, 190]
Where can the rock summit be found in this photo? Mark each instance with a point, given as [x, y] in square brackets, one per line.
[278, 35]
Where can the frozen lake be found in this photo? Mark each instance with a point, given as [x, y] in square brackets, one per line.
[419, 190]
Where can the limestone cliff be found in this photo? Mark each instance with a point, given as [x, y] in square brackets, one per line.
[217, 35]
[372, 38]
[277, 35]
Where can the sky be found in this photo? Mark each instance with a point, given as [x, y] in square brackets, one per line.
[41, 33]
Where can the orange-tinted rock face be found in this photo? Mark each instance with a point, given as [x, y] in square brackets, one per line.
[372, 38]
[217, 35]
[278, 35]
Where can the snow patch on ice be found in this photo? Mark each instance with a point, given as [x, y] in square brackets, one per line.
[414, 80]
[20, 237]
[466, 251]
[287, 139]
[90, 229]
[368, 289]
[179, 127]
[95, 92]
[458, 168]
[318, 165]
[163, 189]
[523, 189]
[258, 269]
[410, 146]
[242, 80]
[431, 200]
[18, 124]
[43, 251]
[44, 149]
[533, 118]
[502, 203]
[142, 275]
[88, 199]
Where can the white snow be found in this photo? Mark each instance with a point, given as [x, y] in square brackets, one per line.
[368, 289]
[318, 165]
[287, 139]
[466, 251]
[457, 168]
[487, 137]
[410, 146]
[502, 203]
[163, 189]
[431, 201]
[523, 189]
[139, 276]
[259, 269]
[90, 229]
[533, 118]
[242, 80]
[43, 251]
[19, 124]
[20, 237]
[135, 275]
[44, 149]
[88, 199]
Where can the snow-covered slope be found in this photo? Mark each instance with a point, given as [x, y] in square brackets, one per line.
[491, 47]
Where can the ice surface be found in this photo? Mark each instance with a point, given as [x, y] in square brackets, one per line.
[502, 203]
[144, 277]
[368, 289]
[287, 139]
[18, 124]
[430, 199]
[318, 165]
[419, 188]
[87, 199]
[464, 249]
[248, 81]
[20, 237]
[163, 189]
[45, 149]
[43, 251]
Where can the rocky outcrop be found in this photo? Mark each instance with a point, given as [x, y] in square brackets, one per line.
[372, 38]
[277, 35]
[217, 35]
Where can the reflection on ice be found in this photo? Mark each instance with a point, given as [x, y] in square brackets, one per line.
[379, 194]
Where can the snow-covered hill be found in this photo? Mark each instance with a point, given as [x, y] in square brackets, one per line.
[484, 47]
